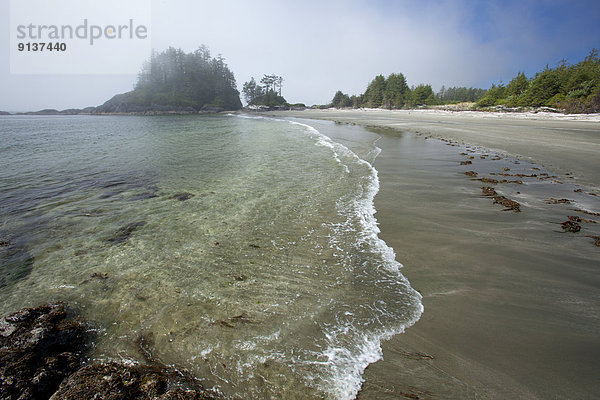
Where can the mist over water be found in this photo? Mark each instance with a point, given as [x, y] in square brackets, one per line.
[243, 249]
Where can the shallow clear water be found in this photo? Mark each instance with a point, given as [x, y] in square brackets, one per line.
[243, 249]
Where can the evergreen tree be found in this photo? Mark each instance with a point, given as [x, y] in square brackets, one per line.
[251, 91]
[459, 95]
[584, 77]
[394, 95]
[572, 87]
[441, 95]
[422, 95]
[493, 95]
[356, 101]
[341, 100]
[373, 96]
[543, 88]
[517, 86]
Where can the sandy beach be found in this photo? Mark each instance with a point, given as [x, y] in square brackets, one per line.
[512, 300]
[564, 143]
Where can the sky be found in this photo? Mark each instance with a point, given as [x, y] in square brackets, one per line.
[319, 47]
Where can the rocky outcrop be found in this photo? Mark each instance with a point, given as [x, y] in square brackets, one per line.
[126, 103]
[42, 355]
[39, 347]
[116, 381]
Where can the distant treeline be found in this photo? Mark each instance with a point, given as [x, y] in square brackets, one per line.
[573, 88]
[173, 80]
[459, 95]
[394, 93]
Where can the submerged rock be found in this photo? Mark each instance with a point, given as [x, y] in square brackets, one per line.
[143, 196]
[39, 347]
[125, 232]
[16, 262]
[182, 196]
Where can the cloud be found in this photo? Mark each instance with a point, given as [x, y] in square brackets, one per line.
[319, 47]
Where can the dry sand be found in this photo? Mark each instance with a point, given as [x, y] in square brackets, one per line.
[512, 303]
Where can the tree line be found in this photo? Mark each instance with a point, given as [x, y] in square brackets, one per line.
[573, 88]
[394, 93]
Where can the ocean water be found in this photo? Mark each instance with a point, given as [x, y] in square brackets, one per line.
[243, 249]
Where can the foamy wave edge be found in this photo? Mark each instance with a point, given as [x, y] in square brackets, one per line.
[349, 376]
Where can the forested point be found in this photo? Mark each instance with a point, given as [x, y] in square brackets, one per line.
[570, 88]
[173, 80]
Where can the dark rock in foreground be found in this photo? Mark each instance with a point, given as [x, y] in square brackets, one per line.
[42, 352]
[39, 347]
[116, 381]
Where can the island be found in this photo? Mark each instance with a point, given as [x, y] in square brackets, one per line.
[173, 81]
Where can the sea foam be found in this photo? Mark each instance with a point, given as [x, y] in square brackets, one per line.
[349, 350]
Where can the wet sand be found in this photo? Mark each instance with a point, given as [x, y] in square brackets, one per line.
[512, 302]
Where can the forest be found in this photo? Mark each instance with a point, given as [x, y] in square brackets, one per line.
[394, 93]
[571, 88]
[173, 80]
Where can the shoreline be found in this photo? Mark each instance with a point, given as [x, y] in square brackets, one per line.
[511, 305]
[540, 115]
[437, 110]
[563, 143]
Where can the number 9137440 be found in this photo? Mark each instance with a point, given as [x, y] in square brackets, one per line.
[42, 46]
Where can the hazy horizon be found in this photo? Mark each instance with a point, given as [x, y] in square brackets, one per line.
[322, 47]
